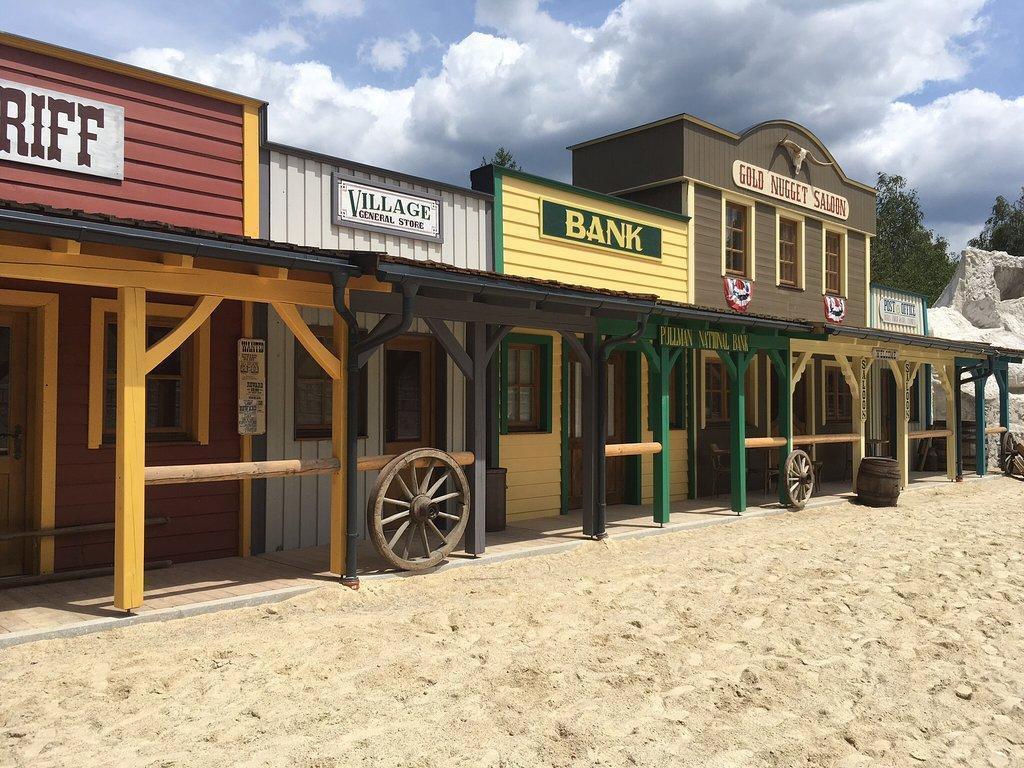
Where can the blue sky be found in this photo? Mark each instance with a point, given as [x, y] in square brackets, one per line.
[932, 90]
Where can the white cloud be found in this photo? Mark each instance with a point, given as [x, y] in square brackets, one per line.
[330, 9]
[959, 151]
[269, 39]
[533, 83]
[389, 54]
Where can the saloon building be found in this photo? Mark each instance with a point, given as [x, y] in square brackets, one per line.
[212, 345]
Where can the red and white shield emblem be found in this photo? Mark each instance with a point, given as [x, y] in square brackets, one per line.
[835, 309]
[738, 292]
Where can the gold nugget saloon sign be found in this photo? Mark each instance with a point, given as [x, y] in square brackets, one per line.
[691, 339]
[592, 228]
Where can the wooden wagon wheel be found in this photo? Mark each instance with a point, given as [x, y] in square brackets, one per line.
[799, 478]
[1011, 444]
[418, 509]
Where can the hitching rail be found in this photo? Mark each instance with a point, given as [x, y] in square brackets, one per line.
[252, 470]
[631, 449]
[780, 442]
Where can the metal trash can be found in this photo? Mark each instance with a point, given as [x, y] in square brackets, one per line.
[496, 490]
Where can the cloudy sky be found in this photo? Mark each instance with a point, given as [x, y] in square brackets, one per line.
[931, 89]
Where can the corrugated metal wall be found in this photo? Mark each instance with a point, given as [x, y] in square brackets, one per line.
[298, 509]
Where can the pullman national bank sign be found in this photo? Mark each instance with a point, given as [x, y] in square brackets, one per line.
[57, 130]
[387, 209]
[789, 190]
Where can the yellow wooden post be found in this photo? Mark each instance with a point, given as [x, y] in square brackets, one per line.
[947, 373]
[339, 530]
[130, 450]
[902, 421]
[860, 368]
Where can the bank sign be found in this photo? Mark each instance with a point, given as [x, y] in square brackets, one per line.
[780, 187]
[688, 338]
[898, 311]
[386, 208]
[585, 227]
[57, 130]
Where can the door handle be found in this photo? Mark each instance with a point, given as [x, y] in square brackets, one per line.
[15, 445]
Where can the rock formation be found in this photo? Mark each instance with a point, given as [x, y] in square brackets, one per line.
[984, 301]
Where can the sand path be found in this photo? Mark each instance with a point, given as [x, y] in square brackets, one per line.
[835, 637]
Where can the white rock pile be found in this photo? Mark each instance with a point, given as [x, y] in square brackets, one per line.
[984, 301]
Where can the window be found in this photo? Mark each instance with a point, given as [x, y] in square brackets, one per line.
[838, 400]
[313, 392]
[789, 253]
[736, 227]
[833, 263]
[525, 384]
[170, 402]
[716, 391]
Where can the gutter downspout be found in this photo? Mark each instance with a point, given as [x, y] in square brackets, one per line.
[355, 348]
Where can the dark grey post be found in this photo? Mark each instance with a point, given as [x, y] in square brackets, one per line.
[476, 437]
[957, 425]
[588, 436]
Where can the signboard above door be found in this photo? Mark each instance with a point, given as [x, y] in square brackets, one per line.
[385, 208]
[898, 311]
[780, 187]
[585, 227]
[57, 130]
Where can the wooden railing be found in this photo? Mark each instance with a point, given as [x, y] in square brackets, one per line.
[253, 470]
[780, 442]
[631, 449]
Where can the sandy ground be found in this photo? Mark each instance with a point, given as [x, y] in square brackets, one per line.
[841, 636]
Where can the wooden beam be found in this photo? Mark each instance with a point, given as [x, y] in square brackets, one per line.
[238, 470]
[844, 437]
[451, 345]
[798, 369]
[130, 449]
[339, 447]
[327, 360]
[65, 246]
[374, 463]
[177, 260]
[160, 351]
[278, 273]
[19, 262]
[631, 449]
[245, 454]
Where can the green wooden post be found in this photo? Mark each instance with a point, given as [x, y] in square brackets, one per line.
[1003, 380]
[979, 425]
[781, 361]
[736, 366]
[660, 418]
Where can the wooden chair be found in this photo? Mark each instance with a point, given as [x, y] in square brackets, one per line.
[720, 465]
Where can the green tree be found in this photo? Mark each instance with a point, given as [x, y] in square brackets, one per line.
[1004, 230]
[504, 158]
[905, 254]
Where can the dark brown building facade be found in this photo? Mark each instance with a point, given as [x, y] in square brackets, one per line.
[770, 205]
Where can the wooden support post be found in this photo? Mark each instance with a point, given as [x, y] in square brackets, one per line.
[588, 436]
[661, 374]
[901, 374]
[130, 449]
[339, 447]
[1003, 382]
[600, 441]
[245, 454]
[784, 393]
[980, 460]
[476, 437]
[736, 366]
[958, 427]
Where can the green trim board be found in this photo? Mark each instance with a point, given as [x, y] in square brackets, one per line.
[498, 245]
[500, 171]
[563, 504]
[545, 344]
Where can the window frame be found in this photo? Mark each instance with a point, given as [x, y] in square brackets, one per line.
[542, 374]
[832, 401]
[799, 278]
[195, 390]
[842, 234]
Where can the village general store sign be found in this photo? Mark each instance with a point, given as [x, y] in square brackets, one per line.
[592, 228]
[385, 208]
[57, 130]
[688, 338]
[780, 187]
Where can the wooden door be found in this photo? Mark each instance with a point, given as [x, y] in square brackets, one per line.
[409, 374]
[13, 424]
[615, 468]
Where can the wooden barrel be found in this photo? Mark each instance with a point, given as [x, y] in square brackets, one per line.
[878, 482]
